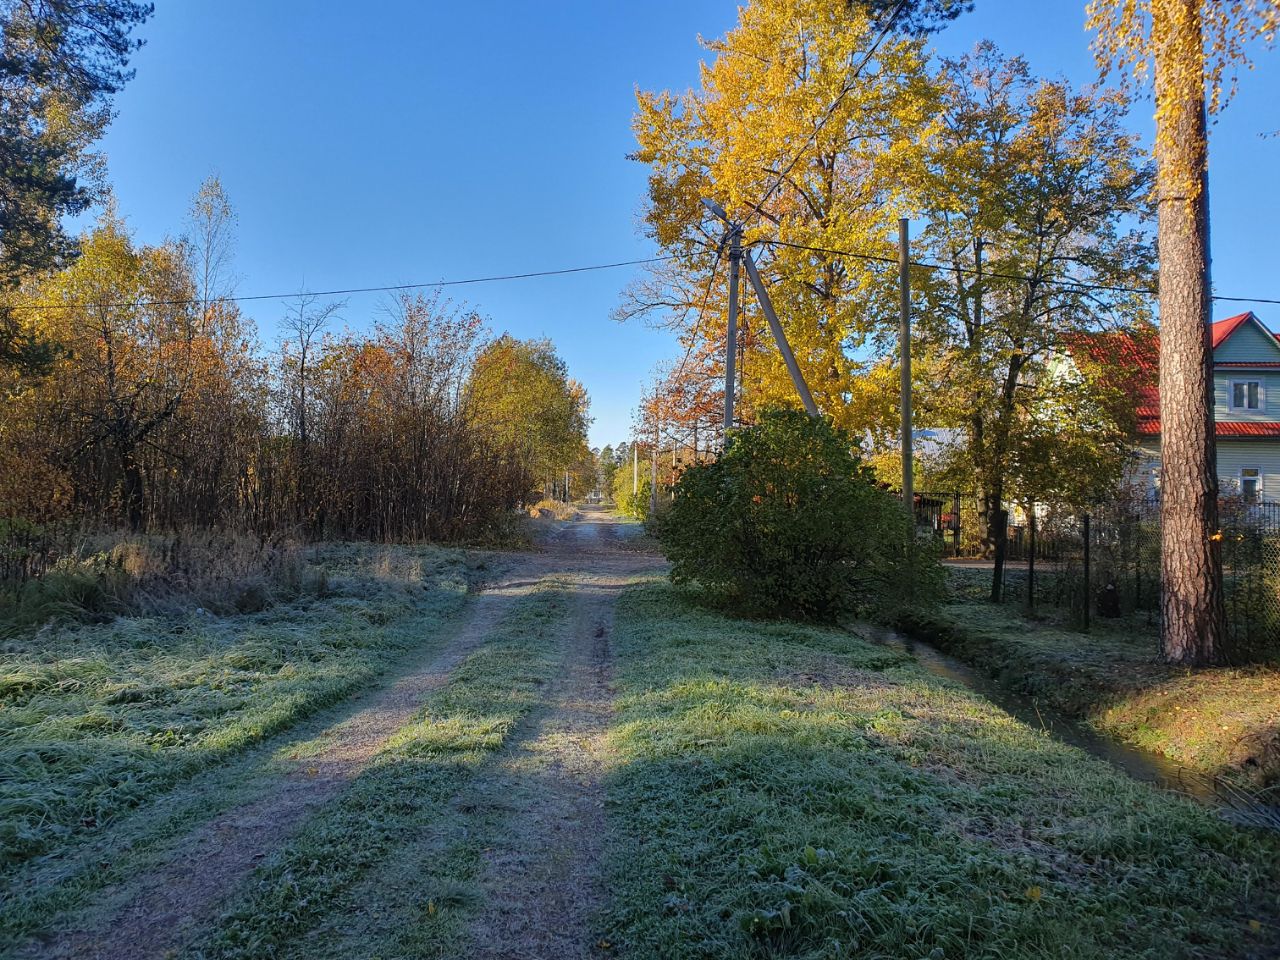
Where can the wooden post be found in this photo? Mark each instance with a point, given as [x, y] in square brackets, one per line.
[904, 345]
[1031, 558]
[731, 334]
[780, 336]
[1088, 580]
[653, 467]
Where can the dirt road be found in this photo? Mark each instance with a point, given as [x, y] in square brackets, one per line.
[541, 877]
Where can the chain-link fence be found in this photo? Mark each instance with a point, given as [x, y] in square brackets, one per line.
[1105, 563]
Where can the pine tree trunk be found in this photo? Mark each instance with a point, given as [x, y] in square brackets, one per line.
[1194, 622]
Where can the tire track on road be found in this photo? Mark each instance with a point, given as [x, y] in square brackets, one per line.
[163, 909]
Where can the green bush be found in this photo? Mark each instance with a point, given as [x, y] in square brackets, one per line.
[788, 523]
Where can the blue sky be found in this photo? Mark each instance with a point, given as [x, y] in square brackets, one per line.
[399, 142]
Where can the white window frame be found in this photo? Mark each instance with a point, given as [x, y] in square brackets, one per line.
[1262, 395]
[1257, 497]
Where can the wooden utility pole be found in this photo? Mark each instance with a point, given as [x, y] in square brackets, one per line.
[780, 336]
[731, 336]
[904, 341]
[635, 468]
[653, 468]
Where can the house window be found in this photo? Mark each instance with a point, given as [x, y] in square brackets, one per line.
[1247, 395]
[1251, 484]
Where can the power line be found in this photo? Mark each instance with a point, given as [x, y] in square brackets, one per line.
[1077, 284]
[697, 323]
[351, 290]
[831, 108]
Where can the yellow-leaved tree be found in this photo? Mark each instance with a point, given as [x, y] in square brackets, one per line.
[1036, 206]
[784, 102]
[520, 394]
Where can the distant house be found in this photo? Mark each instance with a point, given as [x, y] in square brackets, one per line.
[1246, 390]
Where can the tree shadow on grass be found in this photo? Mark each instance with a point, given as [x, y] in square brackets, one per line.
[755, 813]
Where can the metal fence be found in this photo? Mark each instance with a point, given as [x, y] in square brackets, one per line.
[1105, 562]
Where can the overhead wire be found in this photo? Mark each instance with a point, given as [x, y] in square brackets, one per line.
[391, 288]
[845, 90]
[996, 275]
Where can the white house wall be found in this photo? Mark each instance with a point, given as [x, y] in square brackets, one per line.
[1270, 409]
[1232, 456]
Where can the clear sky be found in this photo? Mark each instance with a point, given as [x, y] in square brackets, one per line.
[402, 141]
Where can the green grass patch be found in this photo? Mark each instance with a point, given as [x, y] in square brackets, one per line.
[1221, 721]
[393, 844]
[98, 719]
[785, 791]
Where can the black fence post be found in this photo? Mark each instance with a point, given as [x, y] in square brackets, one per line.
[955, 524]
[1001, 548]
[1031, 558]
[1088, 583]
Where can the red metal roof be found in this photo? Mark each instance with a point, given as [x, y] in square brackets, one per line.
[1235, 428]
[1140, 356]
[1149, 426]
[1219, 331]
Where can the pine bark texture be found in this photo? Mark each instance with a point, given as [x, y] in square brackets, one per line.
[1194, 618]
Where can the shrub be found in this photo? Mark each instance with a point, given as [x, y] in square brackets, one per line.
[788, 522]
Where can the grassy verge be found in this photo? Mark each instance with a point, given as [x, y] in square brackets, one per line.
[390, 869]
[782, 791]
[97, 719]
[1219, 721]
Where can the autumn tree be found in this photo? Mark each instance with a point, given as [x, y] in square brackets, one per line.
[60, 63]
[520, 393]
[783, 87]
[130, 341]
[1035, 198]
[1192, 48]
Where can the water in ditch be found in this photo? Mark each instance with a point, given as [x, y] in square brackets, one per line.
[1234, 802]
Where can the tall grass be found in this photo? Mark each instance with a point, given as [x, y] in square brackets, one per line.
[100, 575]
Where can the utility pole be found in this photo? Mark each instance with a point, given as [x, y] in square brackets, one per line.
[635, 468]
[904, 340]
[653, 468]
[736, 259]
[731, 338]
[780, 337]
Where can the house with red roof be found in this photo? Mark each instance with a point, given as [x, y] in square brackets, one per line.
[1246, 391]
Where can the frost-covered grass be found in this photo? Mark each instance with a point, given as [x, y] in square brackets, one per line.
[99, 718]
[389, 870]
[1221, 721]
[786, 791]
